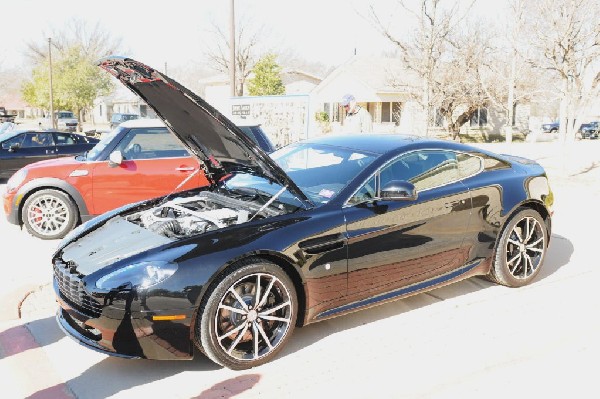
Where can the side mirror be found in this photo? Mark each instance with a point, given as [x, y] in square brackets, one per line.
[14, 147]
[115, 158]
[398, 190]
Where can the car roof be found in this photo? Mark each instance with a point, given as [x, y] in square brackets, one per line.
[378, 143]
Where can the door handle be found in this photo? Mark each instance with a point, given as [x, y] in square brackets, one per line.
[185, 168]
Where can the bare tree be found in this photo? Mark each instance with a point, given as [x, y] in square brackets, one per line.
[506, 76]
[246, 50]
[93, 40]
[458, 91]
[567, 43]
[291, 60]
[425, 52]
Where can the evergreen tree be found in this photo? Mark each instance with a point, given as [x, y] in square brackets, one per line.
[267, 79]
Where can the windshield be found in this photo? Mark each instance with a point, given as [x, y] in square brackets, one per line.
[321, 171]
[261, 189]
[6, 127]
[9, 133]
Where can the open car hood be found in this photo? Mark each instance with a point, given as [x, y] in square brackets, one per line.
[218, 143]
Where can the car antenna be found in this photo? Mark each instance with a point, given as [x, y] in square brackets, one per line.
[269, 202]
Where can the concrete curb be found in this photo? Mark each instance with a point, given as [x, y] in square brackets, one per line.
[14, 300]
[27, 367]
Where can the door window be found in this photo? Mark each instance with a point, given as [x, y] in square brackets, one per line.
[425, 169]
[38, 140]
[149, 143]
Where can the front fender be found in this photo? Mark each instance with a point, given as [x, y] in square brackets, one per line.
[51, 183]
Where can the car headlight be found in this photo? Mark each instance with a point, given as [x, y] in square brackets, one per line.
[139, 275]
[16, 179]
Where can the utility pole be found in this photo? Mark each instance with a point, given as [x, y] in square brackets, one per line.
[51, 92]
[232, 48]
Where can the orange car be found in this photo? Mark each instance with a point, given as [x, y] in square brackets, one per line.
[138, 160]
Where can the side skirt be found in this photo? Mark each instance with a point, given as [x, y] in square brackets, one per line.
[423, 286]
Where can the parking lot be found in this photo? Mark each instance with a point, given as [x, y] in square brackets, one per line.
[470, 339]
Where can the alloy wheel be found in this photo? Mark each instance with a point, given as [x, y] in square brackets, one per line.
[48, 215]
[525, 248]
[253, 317]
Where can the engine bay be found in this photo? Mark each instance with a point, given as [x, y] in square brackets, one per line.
[205, 211]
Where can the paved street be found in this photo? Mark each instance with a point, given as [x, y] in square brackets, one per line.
[468, 340]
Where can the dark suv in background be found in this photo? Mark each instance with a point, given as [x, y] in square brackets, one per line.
[118, 118]
[589, 130]
[551, 127]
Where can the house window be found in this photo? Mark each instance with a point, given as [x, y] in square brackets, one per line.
[479, 118]
[334, 115]
[100, 109]
[436, 118]
[390, 112]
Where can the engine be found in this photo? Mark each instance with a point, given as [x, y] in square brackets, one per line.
[204, 212]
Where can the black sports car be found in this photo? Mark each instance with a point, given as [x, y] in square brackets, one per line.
[321, 228]
[20, 147]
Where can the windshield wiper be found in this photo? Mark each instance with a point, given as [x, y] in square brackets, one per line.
[252, 192]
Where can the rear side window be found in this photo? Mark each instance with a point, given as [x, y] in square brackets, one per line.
[64, 139]
[468, 165]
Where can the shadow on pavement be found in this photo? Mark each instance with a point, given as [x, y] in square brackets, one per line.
[231, 387]
[558, 255]
[113, 375]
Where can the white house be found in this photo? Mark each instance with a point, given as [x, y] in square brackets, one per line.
[381, 85]
[122, 100]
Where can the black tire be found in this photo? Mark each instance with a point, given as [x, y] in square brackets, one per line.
[235, 332]
[521, 249]
[49, 214]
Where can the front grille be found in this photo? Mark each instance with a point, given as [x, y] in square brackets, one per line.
[70, 285]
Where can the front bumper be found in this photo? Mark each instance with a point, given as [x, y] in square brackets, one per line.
[11, 209]
[122, 333]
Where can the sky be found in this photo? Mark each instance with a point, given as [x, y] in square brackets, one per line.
[161, 32]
